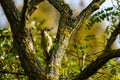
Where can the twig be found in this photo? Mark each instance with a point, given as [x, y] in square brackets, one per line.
[14, 73]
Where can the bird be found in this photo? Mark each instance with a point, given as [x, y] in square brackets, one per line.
[46, 42]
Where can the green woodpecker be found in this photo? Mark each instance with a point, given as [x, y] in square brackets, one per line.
[46, 42]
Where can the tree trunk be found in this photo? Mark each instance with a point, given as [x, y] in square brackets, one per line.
[23, 40]
[67, 27]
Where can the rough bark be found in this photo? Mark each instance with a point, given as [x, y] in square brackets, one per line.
[33, 6]
[67, 25]
[22, 39]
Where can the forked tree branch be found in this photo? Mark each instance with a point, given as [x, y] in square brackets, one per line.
[85, 14]
[67, 25]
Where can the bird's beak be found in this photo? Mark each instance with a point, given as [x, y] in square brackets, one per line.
[50, 29]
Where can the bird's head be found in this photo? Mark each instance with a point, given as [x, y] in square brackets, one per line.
[46, 30]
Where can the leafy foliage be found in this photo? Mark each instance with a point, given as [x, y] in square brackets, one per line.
[110, 14]
[73, 61]
[9, 60]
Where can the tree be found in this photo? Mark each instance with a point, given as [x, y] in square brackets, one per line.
[68, 26]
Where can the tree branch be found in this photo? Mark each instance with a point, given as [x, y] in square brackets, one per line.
[61, 6]
[14, 73]
[84, 15]
[33, 6]
[23, 40]
[65, 29]
[35, 2]
[113, 37]
[11, 12]
[23, 13]
[103, 58]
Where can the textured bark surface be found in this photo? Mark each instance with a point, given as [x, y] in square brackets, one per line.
[23, 40]
[67, 27]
